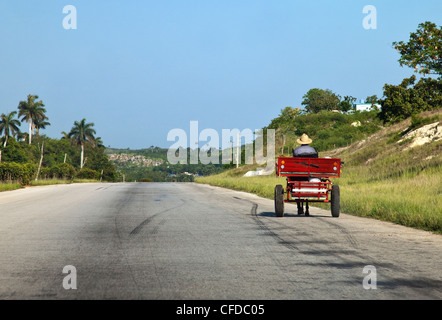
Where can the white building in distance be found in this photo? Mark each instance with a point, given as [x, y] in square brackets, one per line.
[365, 107]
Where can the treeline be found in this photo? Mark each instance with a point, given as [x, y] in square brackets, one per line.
[61, 160]
[25, 156]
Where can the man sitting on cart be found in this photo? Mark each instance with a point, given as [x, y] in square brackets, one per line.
[304, 151]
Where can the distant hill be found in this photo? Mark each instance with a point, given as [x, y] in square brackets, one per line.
[149, 153]
[150, 164]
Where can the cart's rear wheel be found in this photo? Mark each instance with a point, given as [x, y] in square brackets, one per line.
[279, 200]
[335, 201]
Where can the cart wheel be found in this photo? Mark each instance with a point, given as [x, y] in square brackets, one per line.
[335, 201]
[279, 200]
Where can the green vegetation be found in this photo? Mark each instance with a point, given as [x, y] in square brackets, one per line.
[423, 53]
[27, 158]
[410, 98]
[423, 50]
[327, 129]
[32, 112]
[81, 133]
[9, 186]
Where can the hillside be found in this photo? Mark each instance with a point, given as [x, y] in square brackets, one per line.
[403, 149]
[151, 165]
[394, 174]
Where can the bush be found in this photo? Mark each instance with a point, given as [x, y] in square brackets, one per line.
[62, 171]
[23, 173]
[87, 173]
[408, 98]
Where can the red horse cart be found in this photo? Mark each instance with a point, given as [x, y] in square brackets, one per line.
[308, 180]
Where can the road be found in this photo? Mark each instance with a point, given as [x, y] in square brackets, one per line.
[177, 241]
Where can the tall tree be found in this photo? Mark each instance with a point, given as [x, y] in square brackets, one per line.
[65, 135]
[31, 110]
[80, 133]
[374, 100]
[423, 51]
[9, 126]
[41, 123]
[285, 119]
[408, 98]
[347, 103]
[316, 100]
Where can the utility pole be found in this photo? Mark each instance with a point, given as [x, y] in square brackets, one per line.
[237, 150]
[41, 161]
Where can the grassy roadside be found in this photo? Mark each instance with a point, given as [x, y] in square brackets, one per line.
[9, 186]
[410, 200]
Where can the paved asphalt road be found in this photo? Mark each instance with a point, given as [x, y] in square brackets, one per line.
[189, 241]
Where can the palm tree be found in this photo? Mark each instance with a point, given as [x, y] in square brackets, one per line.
[80, 133]
[41, 124]
[9, 125]
[65, 135]
[31, 110]
[99, 142]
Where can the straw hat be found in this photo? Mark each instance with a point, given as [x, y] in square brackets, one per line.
[304, 139]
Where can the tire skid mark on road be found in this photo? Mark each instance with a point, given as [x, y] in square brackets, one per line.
[270, 245]
[268, 231]
[128, 199]
[120, 208]
[348, 236]
[288, 241]
[262, 225]
[138, 228]
[274, 236]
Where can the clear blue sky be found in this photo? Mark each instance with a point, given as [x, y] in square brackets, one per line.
[138, 69]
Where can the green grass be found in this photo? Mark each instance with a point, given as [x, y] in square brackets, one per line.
[48, 182]
[262, 186]
[85, 180]
[8, 186]
[413, 199]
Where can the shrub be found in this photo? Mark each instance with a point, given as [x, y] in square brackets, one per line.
[87, 173]
[62, 171]
[23, 173]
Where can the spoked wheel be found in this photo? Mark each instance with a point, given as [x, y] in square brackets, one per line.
[279, 200]
[335, 201]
